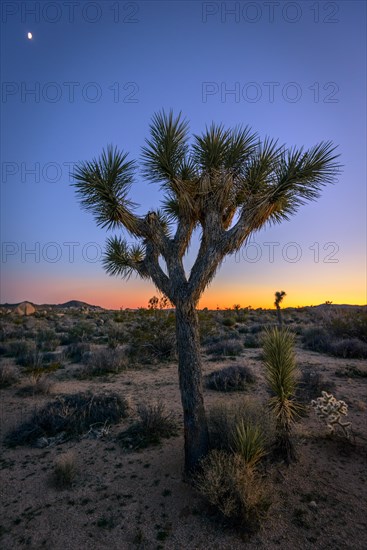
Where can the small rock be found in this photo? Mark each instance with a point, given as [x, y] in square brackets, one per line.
[313, 505]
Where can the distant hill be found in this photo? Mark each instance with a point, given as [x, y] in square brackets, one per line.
[71, 304]
[77, 304]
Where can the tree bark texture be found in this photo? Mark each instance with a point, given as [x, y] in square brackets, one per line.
[190, 379]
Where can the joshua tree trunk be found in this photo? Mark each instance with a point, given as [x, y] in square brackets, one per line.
[279, 315]
[190, 376]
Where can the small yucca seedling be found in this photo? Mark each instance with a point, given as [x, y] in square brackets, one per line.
[281, 372]
[249, 442]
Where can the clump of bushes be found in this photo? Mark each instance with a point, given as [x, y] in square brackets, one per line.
[47, 340]
[341, 333]
[233, 378]
[81, 331]
[351, 371]
[154, 424]
[229, 321]
[39, 384]
[224, 419]
[8, 375]
[310, 385]
[153, 338]
[233, 488]
[24, 351]
[252, 341]
[71, 415]
[105, 361]
[231, 348]
[351, 348]
[241, 436]
[76, 351]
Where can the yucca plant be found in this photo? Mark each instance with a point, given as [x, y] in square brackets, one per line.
[281, 373]
[249, 442]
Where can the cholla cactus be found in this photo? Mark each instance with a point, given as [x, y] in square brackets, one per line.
[331, 410]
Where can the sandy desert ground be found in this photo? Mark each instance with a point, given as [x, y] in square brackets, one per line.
[126, 499]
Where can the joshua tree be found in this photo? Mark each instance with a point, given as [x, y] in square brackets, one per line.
[227, 184]
[278, 299]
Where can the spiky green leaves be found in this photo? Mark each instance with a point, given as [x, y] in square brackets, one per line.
[281, 371]
[102, 186]
[219, 149]
[164, 156]
[123, 259]
[300, 176]
[249, 442]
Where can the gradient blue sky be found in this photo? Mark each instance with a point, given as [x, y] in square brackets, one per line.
[160, 55]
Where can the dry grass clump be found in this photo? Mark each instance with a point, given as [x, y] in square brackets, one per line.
[70, 415]
[65, 471]
[8, 375]
[233, 488]
[154, 424]
[233, 378]
[39, 384]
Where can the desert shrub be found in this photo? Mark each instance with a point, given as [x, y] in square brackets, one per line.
[39, 384]
[230, 348]
[47, 340]
[351, 348]
[242, 316]
[207, 326]
[316, 339]
[115, 337]
[76, 351]
[234, 489]
[347, 324]
[101, 362]
[351, 371]
[8, 375]
[229, 321]
[71, 415]
[154, 424]
[233, 378]
[310, 385]
[252, 341]
[21, 348]
[256, 328]
[153, 337]
[31, 359]
[65, 471]
[82, 331]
